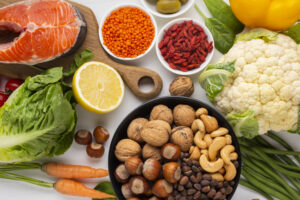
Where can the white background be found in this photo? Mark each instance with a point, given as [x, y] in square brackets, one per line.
[10, 190]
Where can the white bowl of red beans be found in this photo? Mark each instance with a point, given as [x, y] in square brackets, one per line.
[184, 46]
[127, 31]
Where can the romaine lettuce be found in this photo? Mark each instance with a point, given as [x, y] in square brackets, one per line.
[213, 78]
[38, 120]
[244, 124]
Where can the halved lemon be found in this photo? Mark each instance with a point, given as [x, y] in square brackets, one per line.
[98, 87]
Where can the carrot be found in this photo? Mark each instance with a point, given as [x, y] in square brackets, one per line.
[72, 171]
[74, 188]
[58, 170]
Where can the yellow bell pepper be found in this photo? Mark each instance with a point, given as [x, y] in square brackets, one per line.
[270, 14]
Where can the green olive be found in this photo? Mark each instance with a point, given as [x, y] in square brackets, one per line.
[168, 6]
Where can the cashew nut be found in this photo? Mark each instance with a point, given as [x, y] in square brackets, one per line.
[217, 176]
[219, 132]
[210, 166]
[230, 171]
[217, 144]
[222, 170]
[228, 139]
[204, 152]
[207, 139]
[233, 156]
[225, 152]
[210, 123]
[198, 125]
[201, 111]
[198, 140]
[195, 153]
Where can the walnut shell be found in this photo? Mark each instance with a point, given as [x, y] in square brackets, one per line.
[183, 137]
[156, 132]
[184, 115]
[150, 151]
[127, 148]
[182, 86]
[134, 129]
[162, 112]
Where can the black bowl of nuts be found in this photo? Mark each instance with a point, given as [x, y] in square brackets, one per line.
[174, 148]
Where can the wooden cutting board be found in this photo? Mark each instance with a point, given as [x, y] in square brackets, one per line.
[130, 74]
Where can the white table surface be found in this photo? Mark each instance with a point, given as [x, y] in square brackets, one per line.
[11, 190]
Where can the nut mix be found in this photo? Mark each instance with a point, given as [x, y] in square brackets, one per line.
[193, 160]
[185, 46]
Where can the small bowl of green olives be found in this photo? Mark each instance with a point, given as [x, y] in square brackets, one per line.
[168, 8]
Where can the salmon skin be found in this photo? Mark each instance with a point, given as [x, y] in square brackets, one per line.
[47, 29]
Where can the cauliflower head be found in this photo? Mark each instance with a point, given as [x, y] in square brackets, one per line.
[262, 92]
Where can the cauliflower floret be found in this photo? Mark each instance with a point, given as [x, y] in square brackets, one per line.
[266, 80]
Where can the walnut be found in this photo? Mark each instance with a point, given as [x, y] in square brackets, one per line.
[162, 112]
[127, 148]
[134, 129]
[151, 152]
[182, 136]
[182, 86]
[184, 115]
[156, 132]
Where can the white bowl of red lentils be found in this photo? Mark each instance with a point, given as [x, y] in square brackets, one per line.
[184, 46]
[128, 32]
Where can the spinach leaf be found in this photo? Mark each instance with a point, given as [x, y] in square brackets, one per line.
[85, 56]
[106, 187]
[222, 11]
[223, 36]
[294, 33]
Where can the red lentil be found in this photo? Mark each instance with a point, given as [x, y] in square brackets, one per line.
[128, 32]
[184, 46]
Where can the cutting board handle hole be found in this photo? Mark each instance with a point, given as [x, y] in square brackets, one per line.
[146, 84]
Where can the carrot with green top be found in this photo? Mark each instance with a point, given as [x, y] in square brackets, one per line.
[58, 170]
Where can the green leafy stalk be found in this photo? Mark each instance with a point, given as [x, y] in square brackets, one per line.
[223, 36]
[294, 33]
[297, 128]
[244, 124]
[17, 177]
[213, 78]
[222, 11]
[19, 166]
[257, 33]
[85, 56]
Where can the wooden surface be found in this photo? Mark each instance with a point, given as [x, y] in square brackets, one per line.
[130, 74]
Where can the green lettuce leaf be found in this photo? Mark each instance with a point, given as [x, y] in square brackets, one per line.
[257, 33]
[213, 78]
[244, 124]
[37, 120]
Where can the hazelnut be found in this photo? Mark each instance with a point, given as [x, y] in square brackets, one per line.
[95, 150]
[172, 172]
[183, 137]
[151, 152]
[182, 86]
[83, 137]
[126, 191]
[101, 134]
[161, 112]
[133, 198]
[151, 169]
[171, 152]
[138, 185]
[134, 129]
[134, 165]
[127, 148]
[121, 174]
[184, 115]
[156, 132]
[162, 188]
[154, 198]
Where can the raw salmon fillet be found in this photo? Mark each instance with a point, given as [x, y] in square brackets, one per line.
[48, 29]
